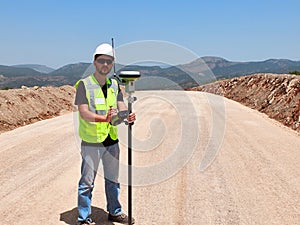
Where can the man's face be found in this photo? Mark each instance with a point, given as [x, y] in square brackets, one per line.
[103, 64]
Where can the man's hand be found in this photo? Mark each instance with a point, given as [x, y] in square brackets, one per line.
[110, 114]
[89, 116]
[122, 107]
[131, 118]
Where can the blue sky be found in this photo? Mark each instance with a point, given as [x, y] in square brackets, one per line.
[56, 33]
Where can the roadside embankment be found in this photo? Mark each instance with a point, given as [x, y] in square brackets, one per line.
[19, 107]
[277, 95]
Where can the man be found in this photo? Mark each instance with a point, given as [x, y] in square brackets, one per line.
[98, 99]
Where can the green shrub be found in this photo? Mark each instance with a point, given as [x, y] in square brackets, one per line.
[5, 88]
[295, 72]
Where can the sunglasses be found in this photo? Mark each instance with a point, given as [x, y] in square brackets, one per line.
[102, 61]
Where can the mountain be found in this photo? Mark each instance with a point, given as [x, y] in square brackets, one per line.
[155, 77]
[72, 72]
[222, 68]
[30, 81]
[40, 68]
[11, 71]
[200, 71]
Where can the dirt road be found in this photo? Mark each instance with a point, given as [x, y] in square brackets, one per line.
[232, 165]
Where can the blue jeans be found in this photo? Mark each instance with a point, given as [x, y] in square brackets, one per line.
[91, 156]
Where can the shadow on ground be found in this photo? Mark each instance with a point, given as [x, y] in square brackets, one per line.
[99, 216]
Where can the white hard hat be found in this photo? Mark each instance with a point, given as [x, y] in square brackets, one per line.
[104, 49]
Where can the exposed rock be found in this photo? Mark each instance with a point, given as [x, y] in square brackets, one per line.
[277, 95]
[2, 77]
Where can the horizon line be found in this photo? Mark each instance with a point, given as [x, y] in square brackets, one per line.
[157, 64]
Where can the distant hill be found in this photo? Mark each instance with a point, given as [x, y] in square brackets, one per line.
[267, 66]
[200, 71]
[208, 69]
[40, 68]
[223, 68]
[72, 72]
[155, 77]
[30, 81]
[11, 71]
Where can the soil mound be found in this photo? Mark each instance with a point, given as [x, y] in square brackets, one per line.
[19, 107]
[277, 95]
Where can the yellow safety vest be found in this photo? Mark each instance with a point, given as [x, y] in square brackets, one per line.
[97, 132]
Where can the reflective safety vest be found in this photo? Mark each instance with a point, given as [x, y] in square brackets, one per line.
[97, 132]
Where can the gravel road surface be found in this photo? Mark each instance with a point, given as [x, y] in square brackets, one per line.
[199, 159]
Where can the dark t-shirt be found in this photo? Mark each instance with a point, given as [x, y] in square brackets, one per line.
[80, 99]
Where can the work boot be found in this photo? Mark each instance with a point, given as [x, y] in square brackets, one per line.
[88, 221]
[123, 218]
